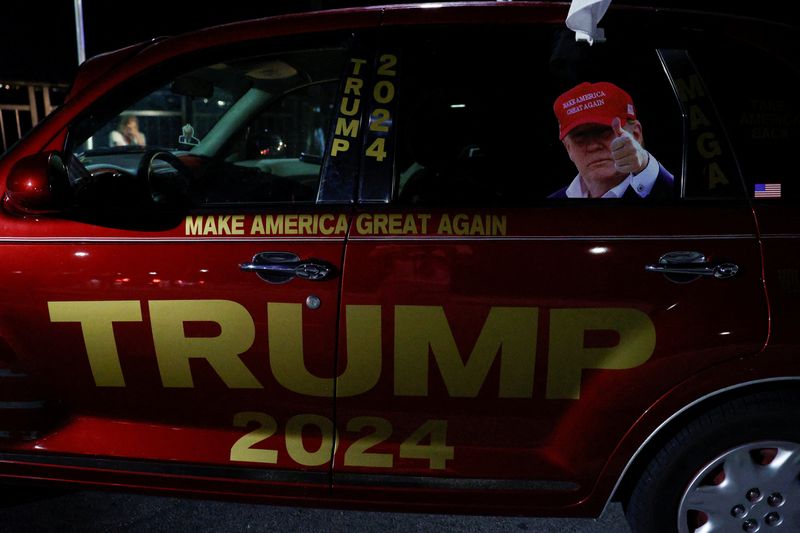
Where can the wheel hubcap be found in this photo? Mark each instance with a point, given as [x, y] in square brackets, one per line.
[752, 488]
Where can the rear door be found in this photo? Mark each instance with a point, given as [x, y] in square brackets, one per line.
[501, 341]
[752, 86]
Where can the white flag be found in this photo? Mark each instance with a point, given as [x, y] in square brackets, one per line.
[583, 17]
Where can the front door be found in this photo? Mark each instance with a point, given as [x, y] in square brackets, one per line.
[185, 310]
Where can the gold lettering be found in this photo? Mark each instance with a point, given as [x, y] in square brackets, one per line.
[194, 225]
[716, 176]
[357, 65]
[257, 228]
[237, 227]
[444, 226]
[295, 444]
[363, 368]
[460, 224]
[697, 118]
[273, 225]
[174, 349]
[323, 224]
[498, 225]
[379, 223]
[347, 127]
[304, 224]
[383, 92]
[349, 109]
[395, 224]
[286, 357]
[341, 225]
[689, 90]
[97, 324]
[290, 224]
[364, 224]
[222, 225]
[424, 218]
[388, 62]
[509, 331]
[707, 145]
[353, 86]
[477, 227]
[410, 225]
[339, 145]
[568, 358]
[210, 227]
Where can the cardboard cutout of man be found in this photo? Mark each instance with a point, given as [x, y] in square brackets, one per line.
[598, 127]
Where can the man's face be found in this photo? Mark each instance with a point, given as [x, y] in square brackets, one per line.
[589, 147]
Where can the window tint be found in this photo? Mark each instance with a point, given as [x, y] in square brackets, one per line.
[162, 115]
[754, 90]
[477, 124]
[249, 130]
[286, 140]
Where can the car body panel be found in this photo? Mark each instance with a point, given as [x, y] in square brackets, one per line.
[489, 359]
[551, 427]
[138, 282]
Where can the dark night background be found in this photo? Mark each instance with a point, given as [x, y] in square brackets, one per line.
[38, 43]
[38, 40]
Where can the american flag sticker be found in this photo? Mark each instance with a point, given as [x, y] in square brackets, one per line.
[767, 190]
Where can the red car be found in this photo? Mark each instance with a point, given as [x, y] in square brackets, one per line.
[338, 258]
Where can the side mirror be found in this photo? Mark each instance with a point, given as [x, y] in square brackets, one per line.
[37, 185]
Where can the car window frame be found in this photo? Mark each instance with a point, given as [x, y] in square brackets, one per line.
[137, 86]
[658, 38]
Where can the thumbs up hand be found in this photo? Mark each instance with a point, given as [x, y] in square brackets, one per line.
[629, 156]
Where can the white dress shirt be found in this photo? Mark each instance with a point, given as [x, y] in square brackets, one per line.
[642, 183]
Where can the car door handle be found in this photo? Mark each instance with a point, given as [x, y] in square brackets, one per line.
[281, 267]
[692, 264]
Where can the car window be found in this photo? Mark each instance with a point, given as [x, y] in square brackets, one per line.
[758, 108]
[477, 122]
[287, 139]
[249, 130]
[159, 118]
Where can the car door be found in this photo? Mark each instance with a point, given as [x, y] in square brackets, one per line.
[503, 342]
[762, 122]
[182, 309]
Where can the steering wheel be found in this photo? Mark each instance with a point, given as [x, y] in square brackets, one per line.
[161, 187]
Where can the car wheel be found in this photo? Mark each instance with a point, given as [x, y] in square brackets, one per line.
[735, 468]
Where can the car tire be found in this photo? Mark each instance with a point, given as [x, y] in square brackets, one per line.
[736, 468]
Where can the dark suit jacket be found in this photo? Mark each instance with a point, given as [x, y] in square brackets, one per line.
[662, 188]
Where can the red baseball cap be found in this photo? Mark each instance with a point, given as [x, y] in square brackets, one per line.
[592, 103]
